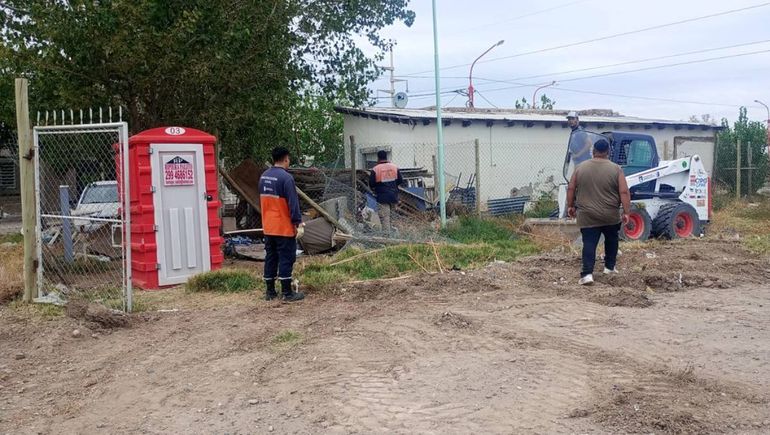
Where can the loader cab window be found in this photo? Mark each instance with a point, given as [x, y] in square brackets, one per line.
[636, 155]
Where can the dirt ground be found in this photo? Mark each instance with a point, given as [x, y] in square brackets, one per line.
[677, 343]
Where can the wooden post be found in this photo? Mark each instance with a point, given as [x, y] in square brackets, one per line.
[748, 162]
[27, 182]
[478, 178]
[738, 170]
[353, 176]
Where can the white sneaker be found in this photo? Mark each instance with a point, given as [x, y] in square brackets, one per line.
[586, 280]
[609, 271]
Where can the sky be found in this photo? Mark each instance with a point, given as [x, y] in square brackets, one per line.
[717, 87]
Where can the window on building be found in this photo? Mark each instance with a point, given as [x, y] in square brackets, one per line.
[7, 174]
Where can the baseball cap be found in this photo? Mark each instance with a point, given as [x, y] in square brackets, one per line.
[572, 114]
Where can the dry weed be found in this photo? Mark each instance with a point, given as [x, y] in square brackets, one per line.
[11, 272]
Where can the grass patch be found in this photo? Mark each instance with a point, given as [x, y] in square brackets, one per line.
[223, 281]
[40, 311]
[482, 241]
[748, 221]
[12, 238]
[471, 229]
[287, 337]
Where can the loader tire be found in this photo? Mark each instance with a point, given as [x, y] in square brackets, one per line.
[676, 221]
[639, 226]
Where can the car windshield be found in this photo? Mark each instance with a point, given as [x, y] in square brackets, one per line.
[100, 194]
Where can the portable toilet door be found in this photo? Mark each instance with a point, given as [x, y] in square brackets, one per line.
[180, 211]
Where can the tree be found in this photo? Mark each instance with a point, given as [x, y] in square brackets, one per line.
[705, 118]
[753, 137]
[545, 103]
[242, 70]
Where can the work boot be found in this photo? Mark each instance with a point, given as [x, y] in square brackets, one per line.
[270, 292]
[289, 295]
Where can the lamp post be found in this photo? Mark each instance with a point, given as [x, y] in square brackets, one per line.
[470, 74]
[534, 101]
[768, 124]
[439, 124]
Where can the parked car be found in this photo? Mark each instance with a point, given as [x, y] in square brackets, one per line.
[98, 200]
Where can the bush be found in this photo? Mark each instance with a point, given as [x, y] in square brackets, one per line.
[223, 281]
[542, 207]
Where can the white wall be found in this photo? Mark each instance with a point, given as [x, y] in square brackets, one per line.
[510, 157]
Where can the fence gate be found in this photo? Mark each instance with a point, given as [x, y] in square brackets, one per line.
[83, 208]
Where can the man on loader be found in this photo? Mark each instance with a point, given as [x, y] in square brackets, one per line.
[579, 142]
[282, 225]
[596, 192]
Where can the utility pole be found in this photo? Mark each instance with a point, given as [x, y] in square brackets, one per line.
[439, 122]
[534, 95]
[470, 73]
[393, 80]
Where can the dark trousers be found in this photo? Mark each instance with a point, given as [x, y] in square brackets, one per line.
[280, 254]
[591, 240]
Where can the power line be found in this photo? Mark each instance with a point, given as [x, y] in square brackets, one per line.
[606, 37]
[485, 99]
[640, 97]
[670, 65]
[527, 15]
[631, 62]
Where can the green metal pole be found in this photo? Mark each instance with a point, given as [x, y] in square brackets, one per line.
[439, 123]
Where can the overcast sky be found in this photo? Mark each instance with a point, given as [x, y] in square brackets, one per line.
[467, 28]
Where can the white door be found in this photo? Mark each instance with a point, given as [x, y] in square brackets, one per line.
[702, 148]
[180, 211]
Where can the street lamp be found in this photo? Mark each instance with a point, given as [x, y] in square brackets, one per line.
[534, 96]
[768, 123]
[470, 74]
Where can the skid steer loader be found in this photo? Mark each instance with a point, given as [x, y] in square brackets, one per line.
[670, 199]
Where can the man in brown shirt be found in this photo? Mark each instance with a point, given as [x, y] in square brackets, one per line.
[600, 188]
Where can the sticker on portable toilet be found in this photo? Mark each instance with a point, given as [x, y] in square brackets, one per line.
[178, 172]
[175, 131]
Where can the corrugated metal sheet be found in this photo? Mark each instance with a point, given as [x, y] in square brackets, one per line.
[503, 206]
[512, 115]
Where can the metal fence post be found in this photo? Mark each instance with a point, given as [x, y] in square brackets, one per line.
[66, 223]
[436, 187]
[738, 170]
[478, 178]
[27, 185]
[353, 176]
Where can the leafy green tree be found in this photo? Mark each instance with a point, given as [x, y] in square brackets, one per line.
[545, 103]
[242, 70]
[753, 137]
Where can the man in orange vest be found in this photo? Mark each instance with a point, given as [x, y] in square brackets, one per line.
[384, 180]
[282, 225]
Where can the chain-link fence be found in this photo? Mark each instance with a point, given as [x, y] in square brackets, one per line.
[480, 178]
[741, 168]
[83, 251]
[479, 173]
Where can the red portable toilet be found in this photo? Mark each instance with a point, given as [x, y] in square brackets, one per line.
[174, 206]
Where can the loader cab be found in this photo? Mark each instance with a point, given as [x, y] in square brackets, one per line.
[634, 152]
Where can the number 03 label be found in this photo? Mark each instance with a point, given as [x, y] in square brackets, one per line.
[175, 131]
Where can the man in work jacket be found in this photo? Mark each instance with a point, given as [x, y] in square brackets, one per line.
[282, 225]
[384, 180]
